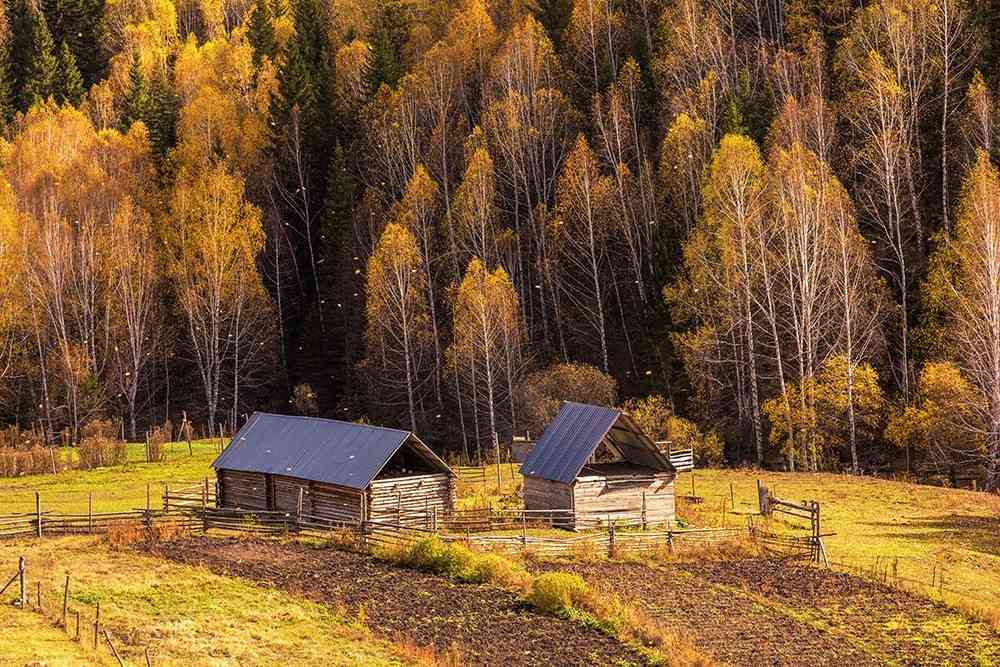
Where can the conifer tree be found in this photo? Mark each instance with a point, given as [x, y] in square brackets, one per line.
[261, 32]
[388, 36]
[137, 102]
[6, 87]
[41, 76]
[71, 83]
[161, 116]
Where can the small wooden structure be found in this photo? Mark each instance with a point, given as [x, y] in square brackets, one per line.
[334, 470]
[595, 462]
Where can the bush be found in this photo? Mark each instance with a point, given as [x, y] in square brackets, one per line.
[34, 461]
[554, 592]
[503, 572]
[432, 554]
[98, 451]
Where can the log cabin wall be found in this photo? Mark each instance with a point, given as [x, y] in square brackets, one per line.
[245, 490]
[622, 497]
[544, 494]
[286, 494]
[411, 499]
[339, 503]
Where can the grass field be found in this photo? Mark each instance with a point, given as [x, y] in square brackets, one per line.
[185, 615]
[925, 532]
[115, 488]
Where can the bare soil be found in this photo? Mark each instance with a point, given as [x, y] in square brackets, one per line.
[768, 613]
[488, 625]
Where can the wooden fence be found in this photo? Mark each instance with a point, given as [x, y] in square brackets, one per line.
[807, 510]
[202, 494]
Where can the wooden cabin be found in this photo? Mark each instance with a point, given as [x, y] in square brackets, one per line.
[338, 470]
[595, 462]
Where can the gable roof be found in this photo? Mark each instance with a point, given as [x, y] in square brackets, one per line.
[322, 450]
[575, 433]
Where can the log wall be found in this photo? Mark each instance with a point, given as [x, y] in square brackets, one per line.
[337, 502]
[245, 490]
[624, 498]
[544, 494]
[286, 494]
[410, 499]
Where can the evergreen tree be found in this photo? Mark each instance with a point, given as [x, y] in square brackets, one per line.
[161, 117]
[389, 34]
[41, 76]
[77, 23]
[261, 32]
[6, 88]
[137, 103]
[71, 83]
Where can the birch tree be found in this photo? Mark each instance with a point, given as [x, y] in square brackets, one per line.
[397, 329]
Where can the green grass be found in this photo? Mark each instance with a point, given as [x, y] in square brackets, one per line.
[921, 530]
[114, 488]
[185, 615]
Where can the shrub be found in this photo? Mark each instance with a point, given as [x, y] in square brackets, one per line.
[503, 572]
[158, 437]
[554, 592]
[34, 461]
[432, 554]
[98, 451]
[123, 534]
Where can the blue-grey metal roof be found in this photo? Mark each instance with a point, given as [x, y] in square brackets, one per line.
[322, 450]
[572, 437]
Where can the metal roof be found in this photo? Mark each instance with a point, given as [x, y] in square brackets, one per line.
[322, 450]
[572, 437]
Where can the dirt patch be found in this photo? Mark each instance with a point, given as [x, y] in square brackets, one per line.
[490, 626]
[761, 612]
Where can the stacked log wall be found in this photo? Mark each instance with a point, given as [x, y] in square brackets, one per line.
[244, 490]
[627, 499]
[410, 500]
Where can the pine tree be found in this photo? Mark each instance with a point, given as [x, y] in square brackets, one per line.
[71, 85]
[41, 77]
[261, 32]
[137, 102]
[161, 116]
[388, 36]
[6, 88]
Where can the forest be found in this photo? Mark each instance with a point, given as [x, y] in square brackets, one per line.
[769, 228]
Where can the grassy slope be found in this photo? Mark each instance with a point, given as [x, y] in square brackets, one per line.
[185, 615]
[924, 527]
[116, 488]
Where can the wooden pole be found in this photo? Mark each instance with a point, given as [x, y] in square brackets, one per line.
[77, 625]
[166, 498]
[732, 496]
[90, 512]
[97, 623]
[644, 510]
[38, 594]
[21, 574]
[149, 663]
[38, 512]
[298, 508]
[149, 497]
[107, 638]
[65, 600]
[496, 447]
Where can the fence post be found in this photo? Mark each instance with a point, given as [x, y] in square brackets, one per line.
[496, 447]
[90, 512]
[65, 600]
[149, 498]
[204, 507]
[38, 512]
[434, 519]
[427, 514]
[298, 507]
[611, 538]
[644, 510]
[399, 508]
[97, 623]
[166, 499]
[21, 575]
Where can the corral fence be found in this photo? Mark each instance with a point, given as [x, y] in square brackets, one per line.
[808, 511]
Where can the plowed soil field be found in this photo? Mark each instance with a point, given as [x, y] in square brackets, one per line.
[761, 612]
[488, 625]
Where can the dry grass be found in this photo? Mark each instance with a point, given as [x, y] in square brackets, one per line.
[186, 615]
[128, 533]
[430, 655]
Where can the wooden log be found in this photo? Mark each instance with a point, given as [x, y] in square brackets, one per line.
[65, 600]
[77, 625]
[21, 574]
[107, 638]
[38, 512]
[97, 624]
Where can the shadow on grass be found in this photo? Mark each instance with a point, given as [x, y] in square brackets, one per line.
[975, 533]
